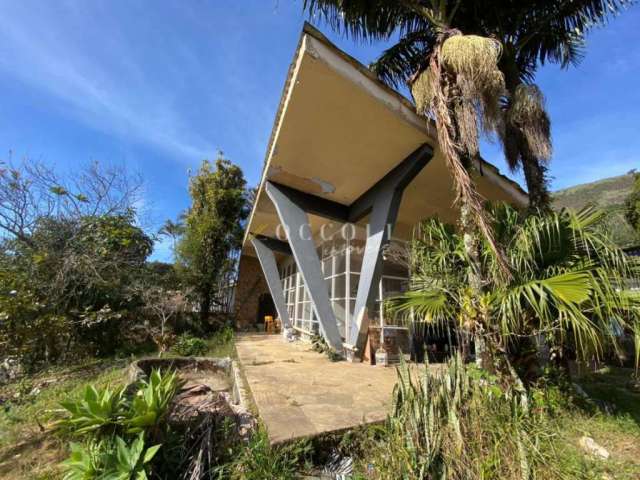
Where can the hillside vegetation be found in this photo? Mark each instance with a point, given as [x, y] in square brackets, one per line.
[608, 194]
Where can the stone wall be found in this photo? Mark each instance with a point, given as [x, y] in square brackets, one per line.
[251, 284]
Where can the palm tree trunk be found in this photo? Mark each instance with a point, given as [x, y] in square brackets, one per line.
[535, 172]
[536, 178]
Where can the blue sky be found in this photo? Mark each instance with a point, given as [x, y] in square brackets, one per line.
[161, 85]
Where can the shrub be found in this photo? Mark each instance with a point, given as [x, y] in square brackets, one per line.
[112, 458]
[453, 424]
[319, 344]
[113, 428]
[95, 411]
[190, 346]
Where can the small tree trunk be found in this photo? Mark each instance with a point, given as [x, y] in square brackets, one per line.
[205, 305]
[536, 178]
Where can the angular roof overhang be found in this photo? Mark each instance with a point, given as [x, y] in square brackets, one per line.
[339, 130]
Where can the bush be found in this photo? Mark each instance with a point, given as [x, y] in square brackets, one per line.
[453, 424]
[319, 344]
[109, 458]
[190, 346]
[114, 429]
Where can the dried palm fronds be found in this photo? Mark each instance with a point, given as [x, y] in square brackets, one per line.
[527, 113]
[423, 90]
[461, 89]
[474, 62]
[474, 57]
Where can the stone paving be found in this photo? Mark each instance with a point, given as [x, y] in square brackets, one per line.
[301, 393]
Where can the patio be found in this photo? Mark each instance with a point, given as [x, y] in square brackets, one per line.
[301, 393]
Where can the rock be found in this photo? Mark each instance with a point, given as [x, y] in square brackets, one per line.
[590, 446]
[10, 370]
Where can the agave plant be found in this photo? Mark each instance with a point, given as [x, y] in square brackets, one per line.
[568, 282]
[109, 459]
[85, 461]
[150, 403]
[96, 411]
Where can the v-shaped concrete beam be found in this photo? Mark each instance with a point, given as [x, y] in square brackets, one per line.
[269, 266]
[381, 202]
[298, 232]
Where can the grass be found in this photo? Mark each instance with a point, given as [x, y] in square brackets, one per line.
[28, 449]
[611, 418]
[222, 344]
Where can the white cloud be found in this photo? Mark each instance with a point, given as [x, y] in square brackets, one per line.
[55, 51]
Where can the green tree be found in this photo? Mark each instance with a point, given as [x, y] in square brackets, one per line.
[213, 229]
[632, 205]
[70, 250]
[530, 33]
[569, 284]
[79, 277]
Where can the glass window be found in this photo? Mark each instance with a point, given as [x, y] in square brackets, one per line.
[327, 267]
[341, 263]
[356, 253]
[392, 286]
[339, 245]
[307, 311]
[339, 286]
[353, 285]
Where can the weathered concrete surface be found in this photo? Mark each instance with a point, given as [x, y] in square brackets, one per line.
[301, 393]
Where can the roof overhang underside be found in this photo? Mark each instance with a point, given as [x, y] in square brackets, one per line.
[338, 131]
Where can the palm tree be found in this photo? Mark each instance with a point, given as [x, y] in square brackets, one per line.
[531, 32]
[174, 230]
[569, 283]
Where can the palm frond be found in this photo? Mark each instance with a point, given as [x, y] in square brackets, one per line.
[402, 60]
[366, 20]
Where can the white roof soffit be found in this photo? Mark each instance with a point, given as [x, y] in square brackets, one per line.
[338, 130]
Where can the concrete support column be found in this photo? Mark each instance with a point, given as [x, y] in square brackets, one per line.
[382, 221]
[270, 269]
[295, 220]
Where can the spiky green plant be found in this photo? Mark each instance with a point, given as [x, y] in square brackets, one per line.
[150, 403]
[95, 412]
[453, 423]
[112, 458]
[568, 282]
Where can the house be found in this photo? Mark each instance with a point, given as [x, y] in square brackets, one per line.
[350, 168]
